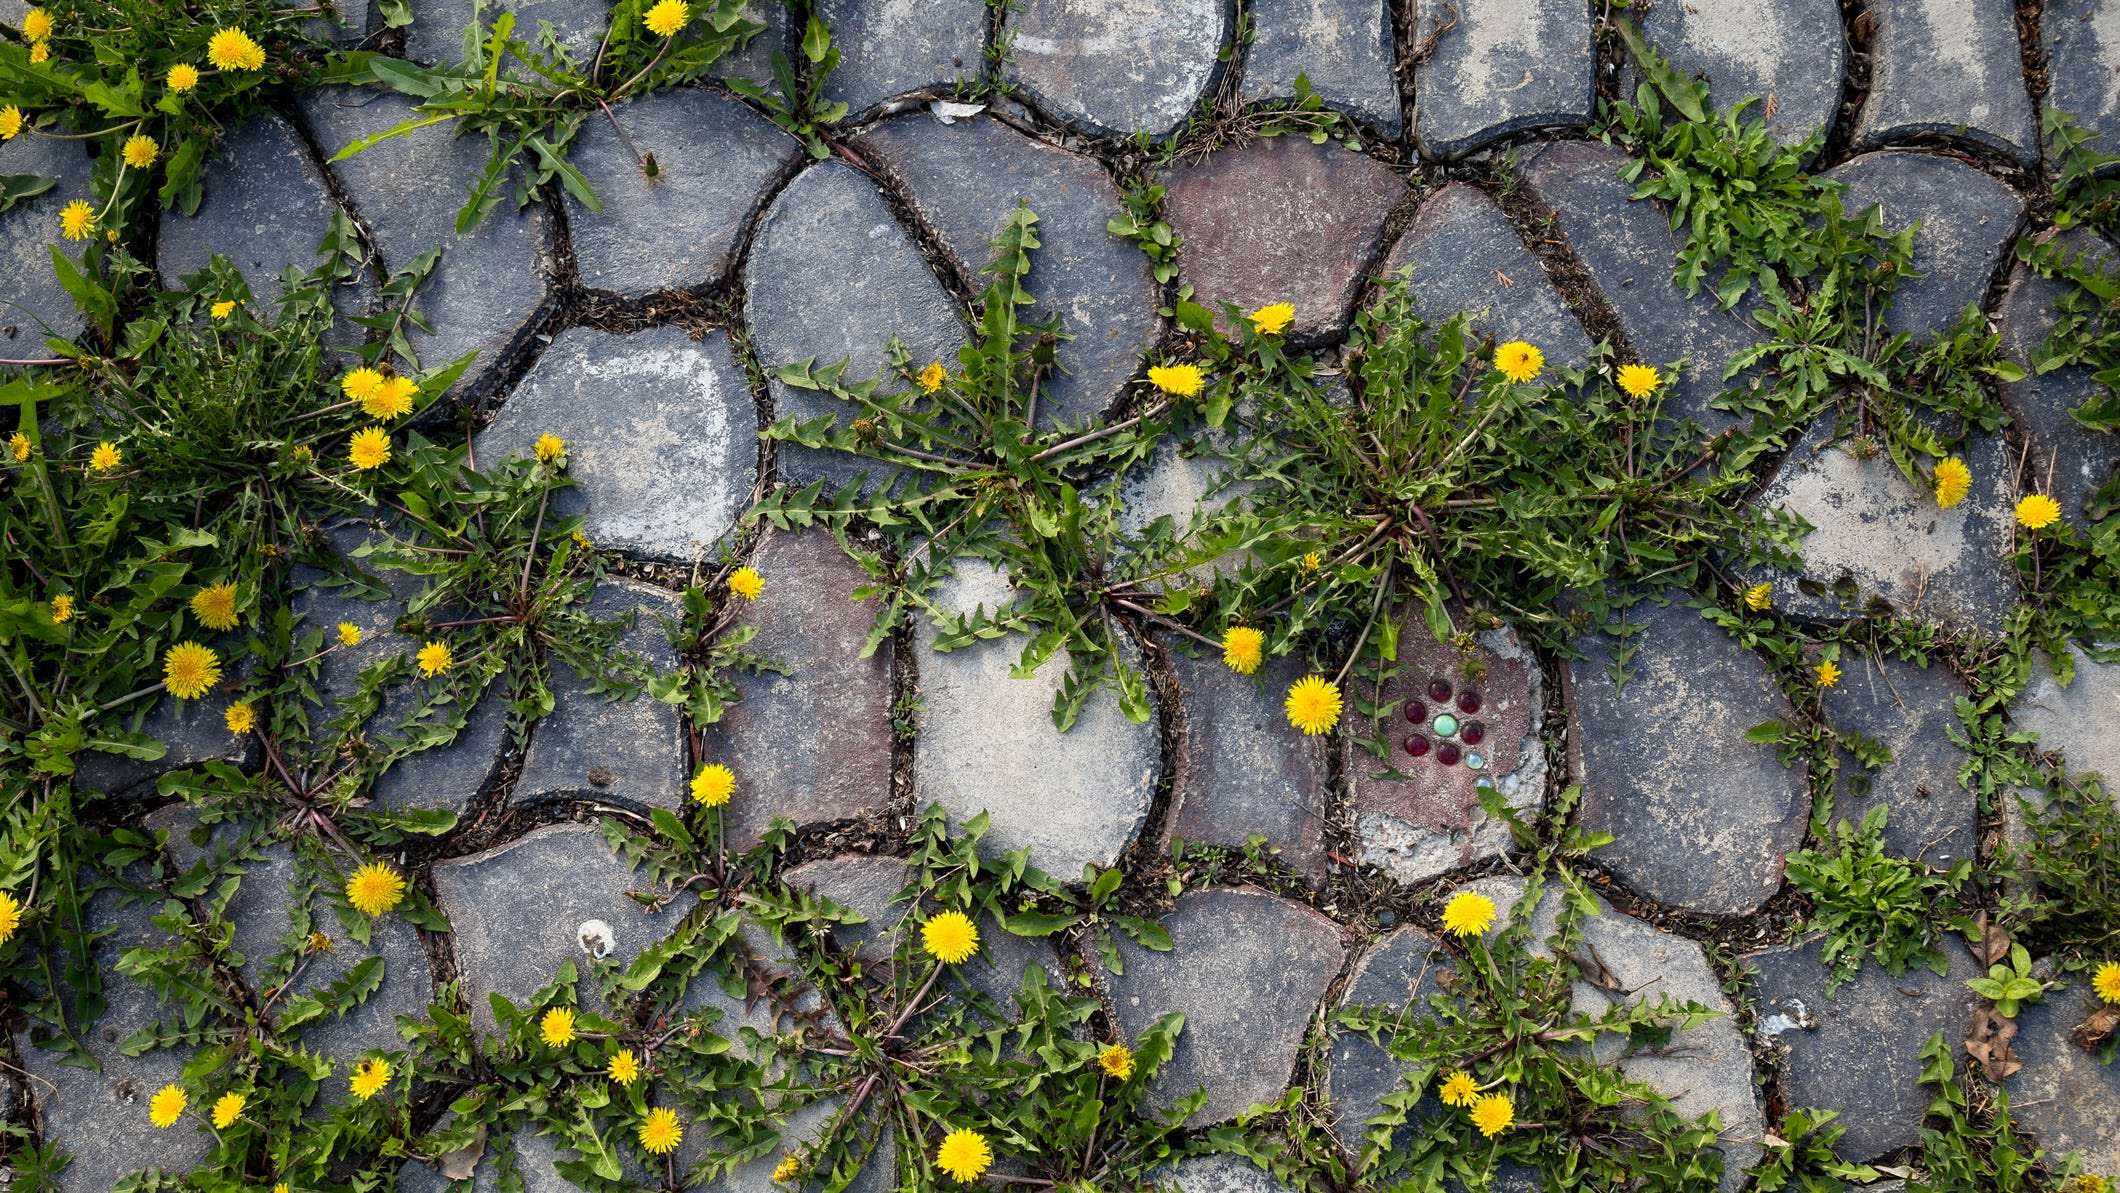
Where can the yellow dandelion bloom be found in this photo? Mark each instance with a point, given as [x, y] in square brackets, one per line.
[747, 583]
[1313, 705]
[375, 888]
[165, 1107]
[1519, 362]
[1468, 913]
[215, 606]
[39, 51]
[964, 1155]
[787, 1170]
[317, 942]
[556, 1029]
[369, 1077]
[190, 670]
[140, 152]
[224, 308]
[1759, 597]
[233, 49]
[1273, 320]
[932, 377]
[667, 17]
[1828, 674]
[62, 608]
[302, 455]
[581, 540]
[349, 634]
[37, 24]
[106, 457]
[182, 77]
[624, 1067]
[10, 916]
[659, 1132]
[713, 785]
[1184, 381]
[240, 718]
[549, 447]
[1243, 648]
[1310, 563]
[2106, 981]
[369, 448]
[392, 398]
[361, 384]
[1117, 1061]
[10, 122]
[2038, 512]
[950, 937]
[1639, 381]
[434, 659]
[1953, 481]
[1493, 1113]
[18, 446]
[226, 1110]
[1459, 1089]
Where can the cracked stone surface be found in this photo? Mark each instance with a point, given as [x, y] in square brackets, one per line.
[892, 47]
[1968, 220]
[2069, 459]
[1116, 66]
[2063, 1097]
[715, 161]
[591, 747]
[1880, 541]
[2080, 722]
[1343, 47]
[813, 745]
[1233, 211]
[1702, 818]
[517, 912]
[1246, 970]
[965, 180]
[661, 435]
[1793, 50]
[1402, 970]
[1859, 1052]
[1499, 67]
[1465, 256]
[35, 301]
[1913, 711]
[1948, 68]
[1242, 770]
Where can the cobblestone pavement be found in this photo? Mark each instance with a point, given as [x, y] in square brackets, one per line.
[640, 335]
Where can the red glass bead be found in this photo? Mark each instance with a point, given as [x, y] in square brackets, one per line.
[1447, 753]
[1468, 701]
[1473, 732]
[1439, 689]
[1416, 712]
[1417, 746]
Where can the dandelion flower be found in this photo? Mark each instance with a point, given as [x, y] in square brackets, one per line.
[190, 670]
[1310, 563]
[556, 1029]
[224, 308]
[1519, 362]
[1117, 1061]
[240, 718]
[1828, 674]
[2037, 511]
[581, 540]
[1638, 381]
[1459, 1090]
[37, 24]
[434, 658]
[39, 51]
[932, 377]
[1759, 597]
[369, 448]
[713, 785]
[624, 1067]
[375, 888]
[18, 446]
[667, 17]
[1272, 320]
[106, 457]
[317, 942]
[226, 1110]
[1493, 1113]
[1184, 381]
[950, 937]
[10, 122]
[369, 1077]
[1953, 481]
[747, 583]
[77, 221]
[349, 634]
[62, 608]
[1313, 705]
[659, 1132]
[182, 77]
[140, 151]
[1243, 648]
[167, 1104]
[361, 384]
[391, 399]
[233, 49]
[2106, 981]
[787, 1170]
[215, 607]
[549, 447]
[10, 916]
[1468, 913]
[964, 1155]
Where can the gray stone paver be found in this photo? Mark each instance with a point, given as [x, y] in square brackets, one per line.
[1116, 66]
[2067, 460]
[1948, 68]
[2080, 722]
[1342, 47]
[1792, 50]
[1499, 67]
[889, 48]
[592, 747]
[2082, 40]
[34, 300]
[1968, 219]
[2063, 1097]
[192, 733]
[1241, 770]
[1400, 971]
[1912, 710]
[436, 34]
[1465, 256]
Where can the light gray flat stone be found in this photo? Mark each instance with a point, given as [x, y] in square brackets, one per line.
[436, 35]
[1242, 770]
[1948, 68]
[1702, 818]
[1116, 66]
[517, 912]
[985, 742]
[1793, 50]
[31, 298]
[1184, 481]
[1402, 971]
[1913, 711]
[1968, 220]
[535, 1164]
[1502, 67]
[630, 752]
[2067, 460]
[890, 48]
[965, 180]
[2080, 722]
[715, 161]
[1221, 1174]
[1466, 256]
[661, 431]
[831, 277]
[1247, 970]
[2063, 1097]
[1342, 46]
[1889, 541]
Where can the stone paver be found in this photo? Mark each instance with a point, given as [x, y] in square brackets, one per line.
[2080, 722]
[1499, 67]
[436, 34]
[661, 435]
[833, 277]
[813, 745]
[1234, 212]
[1343, 47]
[1402, 970]
[590, 747]
[192, 733]
[1888, 542]
[1221, 1174]
[1116, 66]
[1913, 711]
[1247, 971]
[1184, 479]
[2063, 1097]
[1628, 248]
[1465, 256]
[1948, 68]
[1418, 816]
[1241, 770]
[1968, 220]
[2082, 39]
[517, 911]
[2067, 460]
[985, 742]
[715, 161]
[1859, 1052]
[34, 300]
[754, 62]
[442, 776]
[1792, 50]
[889, 48]
[965, 180]
[490, 288]
[1702, 818]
